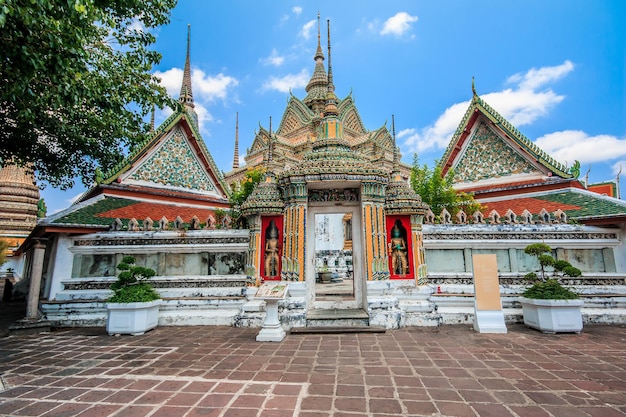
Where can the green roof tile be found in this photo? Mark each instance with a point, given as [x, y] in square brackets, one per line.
[590, 206]
[89, 214]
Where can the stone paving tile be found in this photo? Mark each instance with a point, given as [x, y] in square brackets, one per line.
[449, 371]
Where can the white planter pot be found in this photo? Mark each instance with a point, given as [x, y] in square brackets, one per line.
[552, 316]
[132, 318]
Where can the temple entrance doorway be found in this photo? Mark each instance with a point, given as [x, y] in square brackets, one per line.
[334, 278]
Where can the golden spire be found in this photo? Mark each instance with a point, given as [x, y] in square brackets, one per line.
[331, 98]
[236, 156]
[186, 95]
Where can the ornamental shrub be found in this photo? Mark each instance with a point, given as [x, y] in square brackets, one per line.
[132, 283]
[549, 288]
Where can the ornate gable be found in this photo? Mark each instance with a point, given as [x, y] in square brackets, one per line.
[383, 138]
[172, 164]
[350, 116]
[296, 115]
[502, 144]
[259, 143]
[487, 156]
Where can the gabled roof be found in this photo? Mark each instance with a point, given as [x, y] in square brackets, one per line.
[581, 205]
[103, 212]
[175, 144]
[518, 153]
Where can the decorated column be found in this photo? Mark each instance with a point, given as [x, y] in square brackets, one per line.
[404, 215]
[264, 211]
[373, 212]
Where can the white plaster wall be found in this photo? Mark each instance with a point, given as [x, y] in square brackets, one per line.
[60, 267]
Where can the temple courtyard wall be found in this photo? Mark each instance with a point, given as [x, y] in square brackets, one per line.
[201, 276]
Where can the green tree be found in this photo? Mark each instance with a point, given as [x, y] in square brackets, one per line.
[249, 182]
[437, 190]
[76, 84]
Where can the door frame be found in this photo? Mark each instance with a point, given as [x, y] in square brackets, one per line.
[358, 274]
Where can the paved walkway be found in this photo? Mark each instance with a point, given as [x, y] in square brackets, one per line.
[219, 371]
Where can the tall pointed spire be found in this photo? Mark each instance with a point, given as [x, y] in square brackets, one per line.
[236, 156]
[317, 86]
[186, 95]
[331, 98]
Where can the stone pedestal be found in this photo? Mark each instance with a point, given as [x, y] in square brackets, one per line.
[271, 293]
[272, 331]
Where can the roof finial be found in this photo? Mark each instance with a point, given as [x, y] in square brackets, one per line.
[186, 96]
[473, 87]
[236, 156]
[269, 147]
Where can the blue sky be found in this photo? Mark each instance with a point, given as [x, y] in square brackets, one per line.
[555, 69]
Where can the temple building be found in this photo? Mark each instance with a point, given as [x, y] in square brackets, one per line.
[334, 219]
[20, 205]
[300, 124]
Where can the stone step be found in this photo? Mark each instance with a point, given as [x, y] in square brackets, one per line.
[326, 330]
[337, 318]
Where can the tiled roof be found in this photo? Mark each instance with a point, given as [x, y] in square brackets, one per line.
[89, 214]
[105, 210]
[141, 210]
[577, 204]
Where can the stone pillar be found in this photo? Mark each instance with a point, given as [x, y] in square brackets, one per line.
[374, 233]
[254, 258]
[32, 306]
[419, 261]
[295, 234]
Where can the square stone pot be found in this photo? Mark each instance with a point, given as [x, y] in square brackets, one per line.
[132, 318]
[553, 316]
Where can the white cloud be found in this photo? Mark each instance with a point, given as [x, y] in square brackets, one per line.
[572, 145]
[206, 89]
[288, 82]
[521, 105]
[297, 10]
[538, 77]
[274, 59]
[171, 80]
[211, 87]
[619, 167]
[398, 25]
[308, 29]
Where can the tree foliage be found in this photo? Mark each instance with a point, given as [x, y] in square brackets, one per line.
[437, 190]
[251, 179]
[545, 287]
[132, 283]
[76, 83]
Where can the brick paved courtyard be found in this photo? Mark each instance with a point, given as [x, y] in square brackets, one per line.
[219, 371]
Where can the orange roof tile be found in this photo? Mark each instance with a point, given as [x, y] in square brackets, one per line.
[156, 211]
[518, 205]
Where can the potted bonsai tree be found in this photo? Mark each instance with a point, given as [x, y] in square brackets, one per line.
[547, 305]
[134, 306]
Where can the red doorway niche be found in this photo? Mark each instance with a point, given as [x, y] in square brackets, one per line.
[265, 226]
[405, 223]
